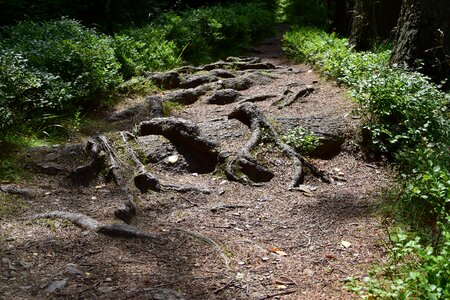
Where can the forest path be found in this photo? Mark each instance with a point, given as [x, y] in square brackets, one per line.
[216, 238]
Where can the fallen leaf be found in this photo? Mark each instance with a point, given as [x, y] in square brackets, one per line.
[330, 256]
[240, 276]
[275, 249]
[278, 251]
[346, 244]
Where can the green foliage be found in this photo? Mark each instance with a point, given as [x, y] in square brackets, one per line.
[413, 271]
[137, 86]
[302, 140]
[407, 117]
[170, 107]
[401, 107]
[81, 57]
[303, 12]
[51, 68]
[144, 49]
[210, 32]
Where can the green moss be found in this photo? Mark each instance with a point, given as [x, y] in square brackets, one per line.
[169, 107]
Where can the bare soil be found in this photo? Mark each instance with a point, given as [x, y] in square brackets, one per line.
[239, 242]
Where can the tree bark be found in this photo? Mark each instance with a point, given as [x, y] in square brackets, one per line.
[341, 18]
[373, 21]
[423, 37]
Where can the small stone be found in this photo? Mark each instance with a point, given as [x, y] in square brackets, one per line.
[173, 159]
[109, 279]
[264, 258]
[56, 285]
[72, 269]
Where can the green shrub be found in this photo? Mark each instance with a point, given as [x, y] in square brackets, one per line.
[52, 68]
[401, 107]
[413, 271]
[302, 140]
[211, 32]
[304, 13]
[26, 92]
[144, 49]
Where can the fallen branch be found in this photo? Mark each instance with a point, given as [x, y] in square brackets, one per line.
[223, 287]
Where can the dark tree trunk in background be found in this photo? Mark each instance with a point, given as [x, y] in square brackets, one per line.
[423, 37]
[341, 19]
[373, 21]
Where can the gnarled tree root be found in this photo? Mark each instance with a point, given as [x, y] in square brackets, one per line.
[86, 222]
[143, 180]
[250, 115]
[200, 152]
[290, 97]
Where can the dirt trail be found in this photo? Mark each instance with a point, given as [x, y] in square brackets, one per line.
[217, 238]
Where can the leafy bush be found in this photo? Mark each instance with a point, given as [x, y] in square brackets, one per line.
[53, 67]
[79, 56]
[304, 13]
[401, 107]
[407, 117]
[210, 32]
[144, 49]
[25, 91]
[413, 271]
[302, 140]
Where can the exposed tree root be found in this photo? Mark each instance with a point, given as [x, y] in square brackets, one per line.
[184, 189]
[16, 190]
[143, 180]
[219, 248]
[199, 151]
[258, 98]
[290, 97]
[86, 222]
[250, 115]
[103, 147]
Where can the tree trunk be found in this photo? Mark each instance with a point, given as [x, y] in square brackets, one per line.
[341, 18]
[373, 21]
[423, 37]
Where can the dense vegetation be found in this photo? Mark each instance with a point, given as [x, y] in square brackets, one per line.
[407, 119]
[53, 69]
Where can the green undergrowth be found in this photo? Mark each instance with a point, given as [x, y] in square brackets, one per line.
[50, 71]
[406, 119]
